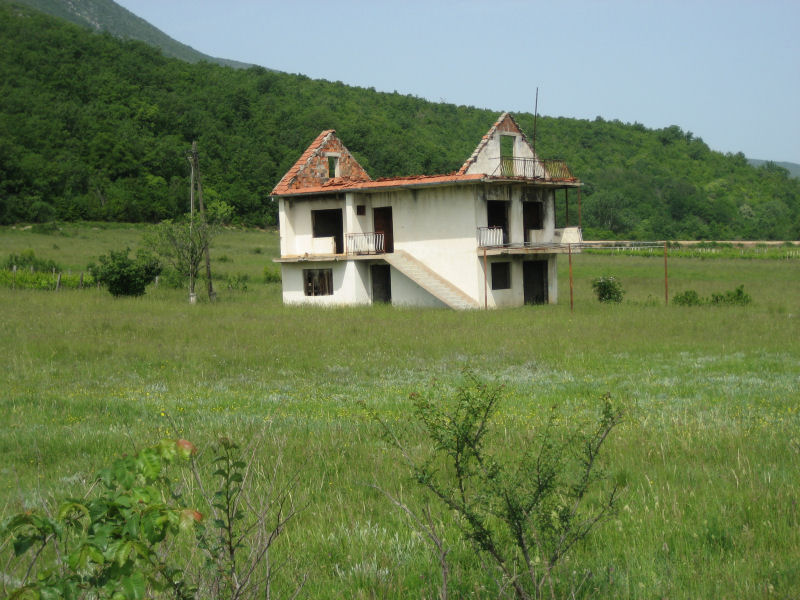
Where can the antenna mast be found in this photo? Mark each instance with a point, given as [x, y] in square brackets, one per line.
[535, 116]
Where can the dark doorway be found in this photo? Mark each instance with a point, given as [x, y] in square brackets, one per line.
[328, 223]
[534, 281]
[381, 283]
[382, 221]
[532, 217]
[497, 216]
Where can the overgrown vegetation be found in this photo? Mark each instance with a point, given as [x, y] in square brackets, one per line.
[522, 511]
[117, 543]
[133, 536]
[708, 446]
[95, 128]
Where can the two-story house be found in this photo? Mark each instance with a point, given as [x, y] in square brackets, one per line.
[482, 237]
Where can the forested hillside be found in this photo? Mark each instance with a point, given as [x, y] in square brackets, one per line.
[96, 128]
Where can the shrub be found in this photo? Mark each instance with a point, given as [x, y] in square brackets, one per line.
[114, 544]
[124, 276]
[272, 274]
[608, 289]
[135, 535]
[737, 297]
[523, 509]
[688, 298]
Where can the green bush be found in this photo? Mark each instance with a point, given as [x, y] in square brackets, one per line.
[124, 276]
[608, 289]
[737, 297]
[688, 298]
[135, 534]
[114, 544]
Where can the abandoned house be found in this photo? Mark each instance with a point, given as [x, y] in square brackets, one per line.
[482, 237]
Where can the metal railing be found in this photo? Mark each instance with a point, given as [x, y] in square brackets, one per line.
[533, 168]
[364, 243]
[490, 236]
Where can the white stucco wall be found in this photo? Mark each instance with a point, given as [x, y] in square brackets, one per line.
[350, 283]
[488, 159]
[407, 293]
[294, 218]
[436, 225]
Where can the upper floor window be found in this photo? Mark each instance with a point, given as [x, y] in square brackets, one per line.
[507, 154]
[333, 165]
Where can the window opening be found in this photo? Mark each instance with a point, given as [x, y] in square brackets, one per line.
[318, 282]
[501, 275]
[507, 154]
[532, 216]
[361, 210]
[329, 223]
[333, 166]
[497, 216]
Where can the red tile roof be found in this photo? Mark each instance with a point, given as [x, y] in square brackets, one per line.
[306, 178]
[289, 182]
[345, 184]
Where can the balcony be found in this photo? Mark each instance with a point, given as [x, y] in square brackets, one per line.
[490, 237]
[364, 243]
[539, 240]
[533, 168]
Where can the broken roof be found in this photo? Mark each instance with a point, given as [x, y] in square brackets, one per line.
[310, 174]
[506, 124]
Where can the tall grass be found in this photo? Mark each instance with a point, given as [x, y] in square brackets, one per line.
[709, 448]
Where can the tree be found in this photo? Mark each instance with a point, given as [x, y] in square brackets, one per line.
[183, 243]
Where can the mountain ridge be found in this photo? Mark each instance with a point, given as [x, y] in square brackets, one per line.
[108, 16]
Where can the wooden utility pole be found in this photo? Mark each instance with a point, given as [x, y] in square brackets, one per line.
[192, 294]
[212, 295]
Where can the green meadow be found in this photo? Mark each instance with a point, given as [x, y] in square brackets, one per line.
[709, 448]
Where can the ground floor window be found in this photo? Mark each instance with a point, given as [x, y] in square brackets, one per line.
[501, 275]
[318, 282]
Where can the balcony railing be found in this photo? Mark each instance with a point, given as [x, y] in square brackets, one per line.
[364, 243]
[533, 168]
[490, 236]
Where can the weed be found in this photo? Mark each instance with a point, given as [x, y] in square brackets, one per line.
[272, 274]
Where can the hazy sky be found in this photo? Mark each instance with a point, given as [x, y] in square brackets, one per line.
[726, 70]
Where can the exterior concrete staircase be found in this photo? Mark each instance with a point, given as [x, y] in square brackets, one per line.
[430, 281]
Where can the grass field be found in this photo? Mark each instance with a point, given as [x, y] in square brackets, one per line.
[710, 446]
